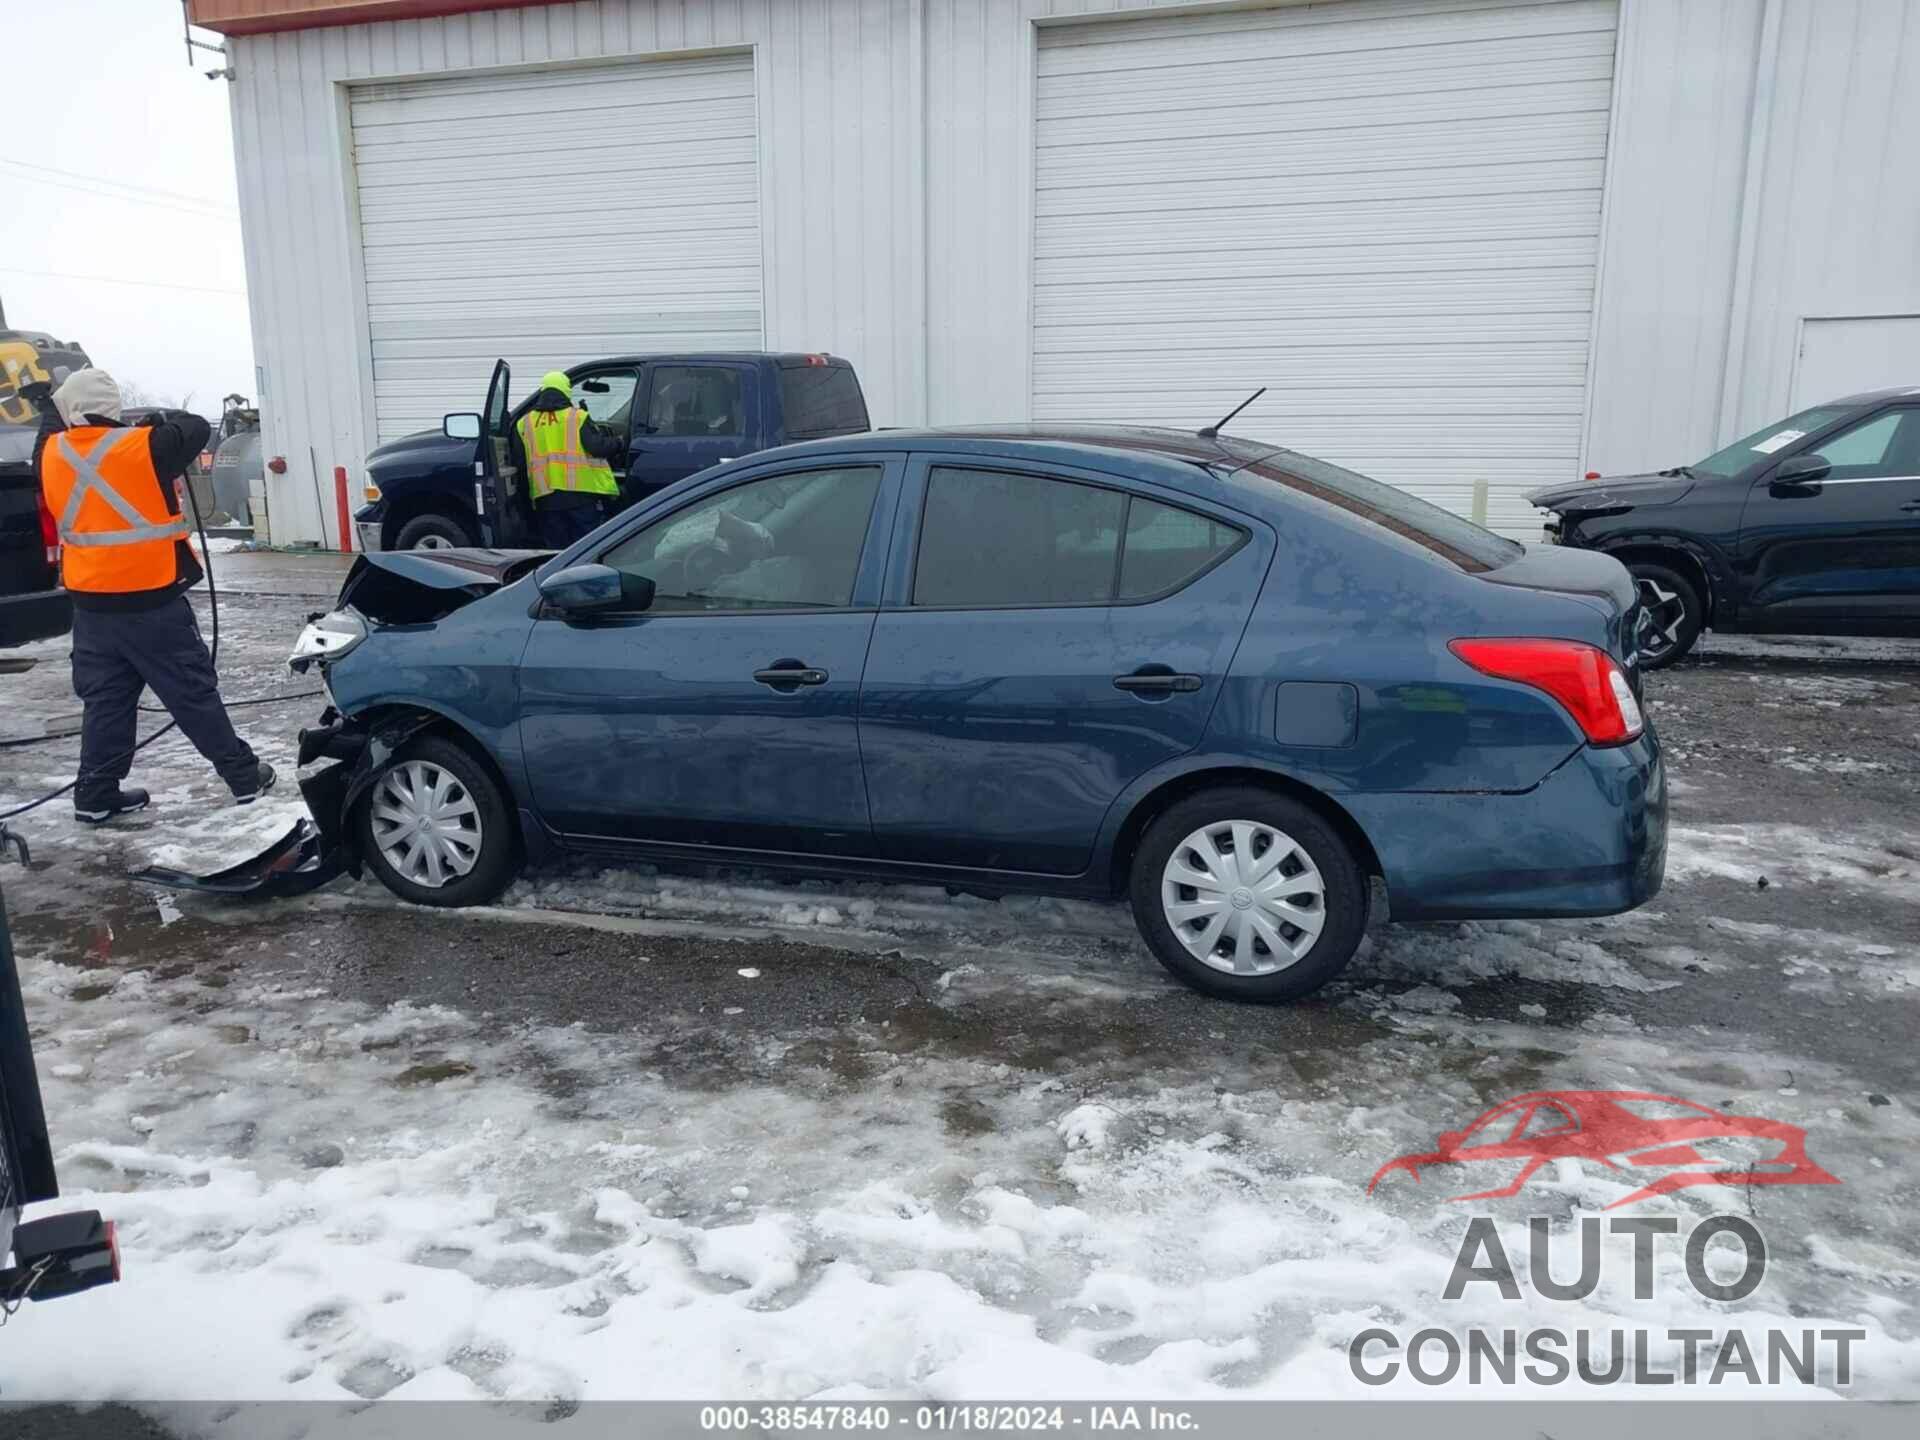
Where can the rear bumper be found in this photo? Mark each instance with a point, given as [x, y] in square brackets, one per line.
[39, 615]
[1590, 839]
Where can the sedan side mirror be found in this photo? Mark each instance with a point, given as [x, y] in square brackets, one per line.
[1799, 475]
[464, 425]
[591, 589]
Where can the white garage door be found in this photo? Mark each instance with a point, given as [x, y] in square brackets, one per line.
[1387, 212]
[551, 217]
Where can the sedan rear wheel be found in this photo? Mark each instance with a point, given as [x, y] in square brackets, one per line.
[434, 827]
[1248, 894]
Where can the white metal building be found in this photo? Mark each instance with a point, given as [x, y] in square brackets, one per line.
[1510, 240]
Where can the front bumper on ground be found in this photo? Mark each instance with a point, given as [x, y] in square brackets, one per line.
[317, 849]
[1590, 839]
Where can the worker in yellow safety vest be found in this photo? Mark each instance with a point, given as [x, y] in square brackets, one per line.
[125, 561]
[572, 486]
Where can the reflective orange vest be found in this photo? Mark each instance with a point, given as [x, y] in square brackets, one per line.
[556, 460]
[111, 510]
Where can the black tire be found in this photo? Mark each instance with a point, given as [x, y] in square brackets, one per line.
[498, 860]
[1343, 902]
[1673, 604]
[433, 532]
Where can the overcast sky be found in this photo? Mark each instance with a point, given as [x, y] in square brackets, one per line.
[119, 223]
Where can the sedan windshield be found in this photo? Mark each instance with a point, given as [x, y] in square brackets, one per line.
[1752, 449]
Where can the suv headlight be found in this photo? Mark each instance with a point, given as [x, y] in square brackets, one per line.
[327, 638]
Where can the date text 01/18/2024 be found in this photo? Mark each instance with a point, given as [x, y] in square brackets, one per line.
[981, 1418]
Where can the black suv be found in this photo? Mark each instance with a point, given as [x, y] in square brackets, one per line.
[1808, 526]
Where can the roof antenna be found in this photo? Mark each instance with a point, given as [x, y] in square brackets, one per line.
[1212, 432]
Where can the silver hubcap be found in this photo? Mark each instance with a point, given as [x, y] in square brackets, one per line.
[1243, 897]
[433, 542]
[426, 824]
[1663, 611]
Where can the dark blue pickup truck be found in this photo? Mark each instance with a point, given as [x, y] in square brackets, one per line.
[463, 483]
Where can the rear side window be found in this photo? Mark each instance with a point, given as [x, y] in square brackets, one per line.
[820, 400]
[1167, 547]
[695, 401]
[995, 538]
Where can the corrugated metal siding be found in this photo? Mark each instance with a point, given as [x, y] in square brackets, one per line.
[842, 201]
[1755, 185]
[618, 210]
[897, 185]
[1389, 218]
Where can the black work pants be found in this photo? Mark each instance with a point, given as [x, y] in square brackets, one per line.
[115, 654]
[561, 525]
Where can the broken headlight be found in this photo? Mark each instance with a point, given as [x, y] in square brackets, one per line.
[327, 637]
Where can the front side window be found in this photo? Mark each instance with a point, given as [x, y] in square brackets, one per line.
[696, 402]
[1885, 445]
[608, 398]
[785, 542]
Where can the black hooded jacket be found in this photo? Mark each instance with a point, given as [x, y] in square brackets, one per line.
[600, 441]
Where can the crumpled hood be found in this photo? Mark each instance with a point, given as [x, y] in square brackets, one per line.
[411, 587]
[1611, 495]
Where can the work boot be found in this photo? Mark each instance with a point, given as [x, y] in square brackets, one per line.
[262, 782]
[98, 809]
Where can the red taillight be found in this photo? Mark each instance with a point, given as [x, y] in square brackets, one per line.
[49, 532]
[1584, 678]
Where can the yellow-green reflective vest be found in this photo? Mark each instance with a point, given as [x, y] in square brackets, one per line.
[555, 460]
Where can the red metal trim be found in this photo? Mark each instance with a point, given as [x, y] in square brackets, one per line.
[340, 501]
[265, 17]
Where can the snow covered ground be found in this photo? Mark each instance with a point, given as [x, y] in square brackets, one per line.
[662, 1134]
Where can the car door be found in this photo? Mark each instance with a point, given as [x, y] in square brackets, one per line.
[696, 415]
[1049, 636]
[1838, 550]
[499, 498]
[725, 714]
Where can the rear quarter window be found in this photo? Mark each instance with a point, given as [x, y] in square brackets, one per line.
[821, 400]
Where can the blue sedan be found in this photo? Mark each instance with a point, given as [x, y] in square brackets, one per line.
[1251, 691]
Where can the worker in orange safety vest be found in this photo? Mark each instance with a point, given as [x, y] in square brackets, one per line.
[126, 563]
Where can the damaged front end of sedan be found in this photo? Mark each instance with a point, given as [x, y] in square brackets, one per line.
[385, 590]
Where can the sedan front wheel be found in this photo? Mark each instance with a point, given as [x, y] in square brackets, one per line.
[434, 827]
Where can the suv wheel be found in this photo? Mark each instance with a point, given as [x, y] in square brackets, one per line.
[1674, 614]
[1248, 895]
[434, 827]
[432, 532]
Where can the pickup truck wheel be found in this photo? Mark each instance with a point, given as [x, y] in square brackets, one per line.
[436, 829]
[432, 532]
[1248, 895]
[1674, 614]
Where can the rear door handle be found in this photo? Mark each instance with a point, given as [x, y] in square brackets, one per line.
[1152, 684]
[789, 676]
[1912, 508]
